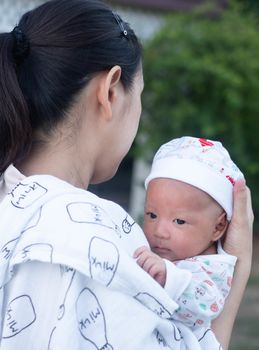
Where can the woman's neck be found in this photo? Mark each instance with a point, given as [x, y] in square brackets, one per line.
[57, 161]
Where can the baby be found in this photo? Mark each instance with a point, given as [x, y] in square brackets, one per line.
[187, 210]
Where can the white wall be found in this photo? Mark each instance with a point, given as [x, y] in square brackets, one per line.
[12, 10]
[144, 23]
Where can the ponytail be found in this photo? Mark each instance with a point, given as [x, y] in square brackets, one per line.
[15, 127]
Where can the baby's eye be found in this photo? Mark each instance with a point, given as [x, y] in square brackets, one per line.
[179, 221]
[151, 215]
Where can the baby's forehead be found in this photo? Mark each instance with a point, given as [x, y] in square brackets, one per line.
[160, 189]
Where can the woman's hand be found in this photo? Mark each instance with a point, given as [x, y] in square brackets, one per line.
[238, 242]
[239, 237]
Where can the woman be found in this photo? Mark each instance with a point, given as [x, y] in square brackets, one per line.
[70, 88]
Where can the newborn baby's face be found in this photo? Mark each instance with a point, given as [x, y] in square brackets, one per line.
[181, 220]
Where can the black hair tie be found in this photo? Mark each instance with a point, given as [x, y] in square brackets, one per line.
[21, 46]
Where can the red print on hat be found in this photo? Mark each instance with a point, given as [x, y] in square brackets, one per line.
[231, 179]
[205, 142]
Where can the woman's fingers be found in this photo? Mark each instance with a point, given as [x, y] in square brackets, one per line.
[238, 239]
[242, 206]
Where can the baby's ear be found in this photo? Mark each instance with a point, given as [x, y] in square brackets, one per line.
[220, 226]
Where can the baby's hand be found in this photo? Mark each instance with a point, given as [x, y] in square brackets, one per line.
[152, 264]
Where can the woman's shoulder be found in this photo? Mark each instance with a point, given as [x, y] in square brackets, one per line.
[23, 192]
[59, 223]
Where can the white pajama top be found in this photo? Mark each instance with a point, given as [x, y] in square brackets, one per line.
[68, 280]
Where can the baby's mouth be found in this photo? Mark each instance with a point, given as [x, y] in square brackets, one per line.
[159, 249]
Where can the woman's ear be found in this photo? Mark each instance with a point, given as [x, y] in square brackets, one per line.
[108, 89]
[220, 227]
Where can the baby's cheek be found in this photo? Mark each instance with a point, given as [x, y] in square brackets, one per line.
[148, 229]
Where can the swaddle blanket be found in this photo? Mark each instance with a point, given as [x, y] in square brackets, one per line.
[68, 279]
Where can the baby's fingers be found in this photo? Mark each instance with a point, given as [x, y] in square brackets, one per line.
[143, 257]
[158, 272]
[139, 251]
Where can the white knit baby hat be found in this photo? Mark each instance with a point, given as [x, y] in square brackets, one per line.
[203, 163]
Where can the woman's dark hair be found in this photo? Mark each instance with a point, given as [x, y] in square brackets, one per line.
[46, 61]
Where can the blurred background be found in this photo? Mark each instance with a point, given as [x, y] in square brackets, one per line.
[201, 71]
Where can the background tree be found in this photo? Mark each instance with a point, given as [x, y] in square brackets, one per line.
[202, 79]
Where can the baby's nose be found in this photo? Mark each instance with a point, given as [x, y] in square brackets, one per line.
[162, 230]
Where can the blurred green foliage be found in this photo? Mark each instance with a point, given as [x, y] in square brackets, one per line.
[202, 79]
[250, 5]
